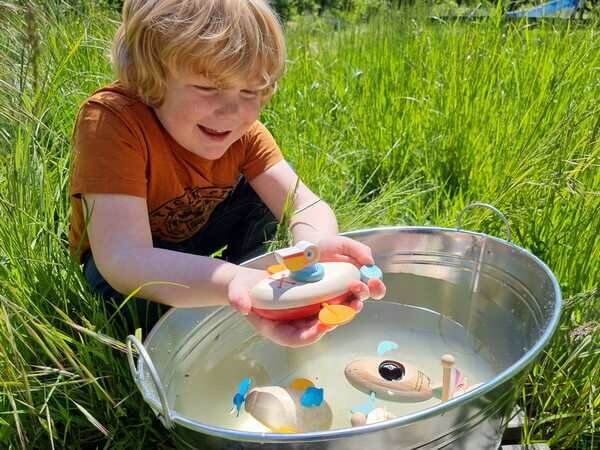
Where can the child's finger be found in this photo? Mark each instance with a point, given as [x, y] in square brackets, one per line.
[358, 251]
[337, 257]
[359, 289]
[324, 328]
[305, 323]
[357, 305]
[312, 333]
[376, 289]
[311, 330]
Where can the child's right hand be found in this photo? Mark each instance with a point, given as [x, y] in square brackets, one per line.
[295, 333]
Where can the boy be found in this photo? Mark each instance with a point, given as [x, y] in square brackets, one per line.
[159, 154]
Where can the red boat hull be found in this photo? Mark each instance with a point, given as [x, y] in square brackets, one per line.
[303, 312]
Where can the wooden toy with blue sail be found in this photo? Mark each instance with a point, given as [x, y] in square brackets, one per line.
[300, 287]
[299, 408]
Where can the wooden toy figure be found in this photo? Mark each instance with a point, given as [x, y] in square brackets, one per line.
[393, 380]
[389, 379]
[297, 409]
[375, 415]
[301, 287]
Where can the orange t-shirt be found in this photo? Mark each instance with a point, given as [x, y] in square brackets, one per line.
[122, 148]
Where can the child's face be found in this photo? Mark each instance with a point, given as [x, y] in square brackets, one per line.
[204, 119]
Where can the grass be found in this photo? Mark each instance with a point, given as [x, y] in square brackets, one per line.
[398, 121]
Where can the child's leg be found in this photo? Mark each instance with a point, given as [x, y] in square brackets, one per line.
[242, 222]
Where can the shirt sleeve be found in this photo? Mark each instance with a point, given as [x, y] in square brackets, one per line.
[262, 151]
[109, 156]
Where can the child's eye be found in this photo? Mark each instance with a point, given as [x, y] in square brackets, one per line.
[249, 93]
[208, 90]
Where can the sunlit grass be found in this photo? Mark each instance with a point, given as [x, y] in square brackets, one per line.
[395, 122]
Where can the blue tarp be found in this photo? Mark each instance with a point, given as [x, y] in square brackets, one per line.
[547, 9]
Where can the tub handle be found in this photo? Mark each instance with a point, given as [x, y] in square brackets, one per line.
[485, 205]
[164, 416]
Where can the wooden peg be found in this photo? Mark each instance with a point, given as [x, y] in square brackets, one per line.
[447, 364]
[358, 419]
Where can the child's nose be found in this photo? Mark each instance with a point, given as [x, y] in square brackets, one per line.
[228, 108]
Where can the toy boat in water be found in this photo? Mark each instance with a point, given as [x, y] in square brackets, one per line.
[397, 381]
[389, 379]
[299, 408]
[281, 410]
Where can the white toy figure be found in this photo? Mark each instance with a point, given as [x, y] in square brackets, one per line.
[298, 409]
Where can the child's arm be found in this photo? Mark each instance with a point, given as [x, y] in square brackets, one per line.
[312, 219]
[121, 242]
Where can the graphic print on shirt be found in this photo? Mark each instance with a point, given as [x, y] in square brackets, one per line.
[182, 217]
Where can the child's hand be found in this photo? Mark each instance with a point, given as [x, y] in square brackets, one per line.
[340, 248]
[293, 333]
[241, 285]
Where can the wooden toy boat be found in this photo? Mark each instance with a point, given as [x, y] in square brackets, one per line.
[280, 410]
[301, 287]
[297, 409]
[393, 380]
[389, 379]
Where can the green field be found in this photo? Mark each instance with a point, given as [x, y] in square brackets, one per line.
[398, 121]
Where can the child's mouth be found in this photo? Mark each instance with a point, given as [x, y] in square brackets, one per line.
[214, 134]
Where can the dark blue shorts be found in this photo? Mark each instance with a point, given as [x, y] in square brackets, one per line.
[242, 223]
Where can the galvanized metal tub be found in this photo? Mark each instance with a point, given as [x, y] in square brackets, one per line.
[501, 294]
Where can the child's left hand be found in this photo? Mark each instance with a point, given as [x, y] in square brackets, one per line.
[298, 333]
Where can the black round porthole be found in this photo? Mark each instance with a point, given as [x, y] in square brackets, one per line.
[391, 370]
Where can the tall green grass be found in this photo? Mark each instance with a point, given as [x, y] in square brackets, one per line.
[399, 121]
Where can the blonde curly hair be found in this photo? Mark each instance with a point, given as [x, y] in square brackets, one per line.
[226, 40]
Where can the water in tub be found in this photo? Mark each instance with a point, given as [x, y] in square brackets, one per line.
[206, 381]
